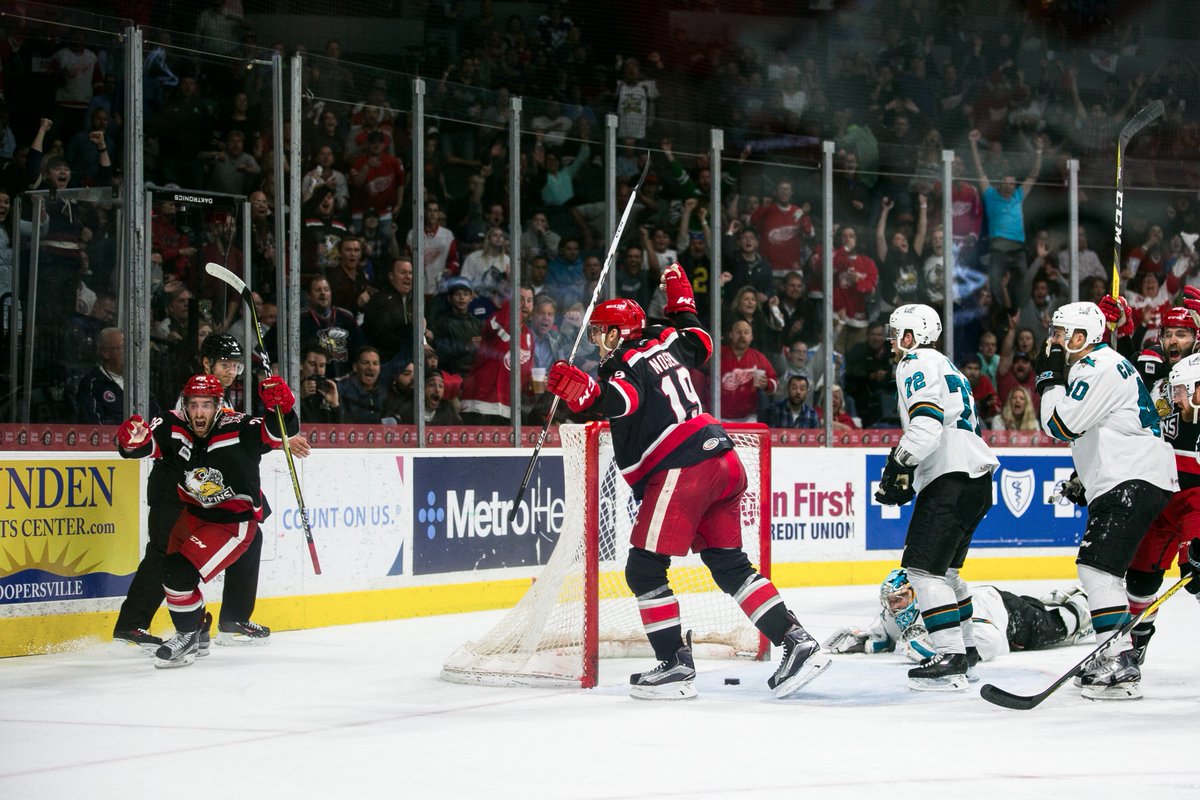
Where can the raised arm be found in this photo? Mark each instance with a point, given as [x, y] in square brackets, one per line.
[973, 138]
[881, 248]
[1027, 186]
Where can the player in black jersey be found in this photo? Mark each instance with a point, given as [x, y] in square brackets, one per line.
[681, 464]
[214, 454]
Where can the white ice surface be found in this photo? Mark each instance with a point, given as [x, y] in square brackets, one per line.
[359, 712]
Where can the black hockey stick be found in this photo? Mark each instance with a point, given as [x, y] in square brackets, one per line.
[1025, 702]
[583, 326]
[1140, 120]
[239, 286]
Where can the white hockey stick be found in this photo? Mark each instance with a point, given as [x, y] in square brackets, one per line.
[583, 326]
[239, 286]
[1140, 120]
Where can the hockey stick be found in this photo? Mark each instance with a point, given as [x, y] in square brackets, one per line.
[583, 326]
[239, 286]
[1025, 702]
[1140, 120]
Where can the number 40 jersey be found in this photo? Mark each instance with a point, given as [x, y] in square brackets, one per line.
[940, 421]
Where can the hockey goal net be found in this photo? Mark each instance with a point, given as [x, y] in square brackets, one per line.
[579, 608]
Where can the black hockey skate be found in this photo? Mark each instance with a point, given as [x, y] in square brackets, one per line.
[670, 680]
[802, 661]
[973, 658]
[1141, 640]
[242, 633]
[178, 651]
[1114, 678]
[202, 646]
[945, 672]
[141, 638]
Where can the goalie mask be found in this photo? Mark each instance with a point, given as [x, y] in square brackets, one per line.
[899, 599]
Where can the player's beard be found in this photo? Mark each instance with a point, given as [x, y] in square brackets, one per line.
[207, 421]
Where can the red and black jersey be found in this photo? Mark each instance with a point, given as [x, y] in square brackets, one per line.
[216, 477]
[1184, 437]
[652, 405]
[1152, 365]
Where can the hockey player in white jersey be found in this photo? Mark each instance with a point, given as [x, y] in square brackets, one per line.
[1003, 622]
[1093, 398]
[943, 461]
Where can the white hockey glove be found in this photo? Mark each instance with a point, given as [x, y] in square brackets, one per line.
[916, 645]
[856, 640]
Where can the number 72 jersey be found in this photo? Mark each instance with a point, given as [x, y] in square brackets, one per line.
[940, 421]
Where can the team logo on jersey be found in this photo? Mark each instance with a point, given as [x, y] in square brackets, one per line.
[207, 486]
[1017, 490]
[710, 444]
[109, 396]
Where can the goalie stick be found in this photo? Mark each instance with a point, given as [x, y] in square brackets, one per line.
[1020, 702]
[583, 326]
[1140, 120]
[239, 286]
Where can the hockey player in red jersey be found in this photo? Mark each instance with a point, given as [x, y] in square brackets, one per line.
[217, 454]
[681, 464]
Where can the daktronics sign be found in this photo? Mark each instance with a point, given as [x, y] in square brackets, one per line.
[460, 513]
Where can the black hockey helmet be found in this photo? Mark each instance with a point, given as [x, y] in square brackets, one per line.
[221, 345]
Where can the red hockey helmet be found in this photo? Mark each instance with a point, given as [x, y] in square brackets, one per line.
[204, 386]
[1179, 317]
[623, 314]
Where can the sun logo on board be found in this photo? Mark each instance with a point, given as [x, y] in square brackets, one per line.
[432, 513]
[61, 564]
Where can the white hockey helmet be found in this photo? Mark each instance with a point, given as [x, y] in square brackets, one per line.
[923, 321]
[1185, 375]
[1082, 316]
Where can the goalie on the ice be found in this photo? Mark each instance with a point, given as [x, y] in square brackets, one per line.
[1002, 622]
[683, 467]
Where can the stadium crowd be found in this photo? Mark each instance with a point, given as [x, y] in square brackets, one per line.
[1013, 95]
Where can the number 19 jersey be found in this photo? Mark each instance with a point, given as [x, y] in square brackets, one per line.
[940, 421]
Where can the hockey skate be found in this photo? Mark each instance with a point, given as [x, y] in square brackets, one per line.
[945, 672]
[242, 633]
[1075, 601]
[139, 637]
[178, 651]
[802, 661]
[670, 680]
[202, 645]
[1113, 678]
[973, 658]
[1141, 640]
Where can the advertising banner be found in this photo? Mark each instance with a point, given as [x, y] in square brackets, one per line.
[1022, 514]
[460, 514]
[68, 529]
[817, 504]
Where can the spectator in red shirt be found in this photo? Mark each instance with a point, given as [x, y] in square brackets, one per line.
[987, 402]
[486, 399]
[1021, 374]
[377, 182]
[747, 377]
[854, 279]
[783, 228]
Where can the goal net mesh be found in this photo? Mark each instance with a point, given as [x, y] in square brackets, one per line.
[579, 607]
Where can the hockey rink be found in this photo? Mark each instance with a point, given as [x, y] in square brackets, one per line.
[359, 712]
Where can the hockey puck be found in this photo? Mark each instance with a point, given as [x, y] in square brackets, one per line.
[733, 681]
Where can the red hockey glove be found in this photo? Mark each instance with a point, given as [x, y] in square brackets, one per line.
[133, 433]
[1191, 301]
[679, 290]
[275, 393]
[573, 385]
[1118, 313]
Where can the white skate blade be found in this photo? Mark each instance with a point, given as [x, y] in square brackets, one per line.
[240, 640]
[162, 663]
[813, 666]
[950, 683]
[1122, 691]
[678, 690]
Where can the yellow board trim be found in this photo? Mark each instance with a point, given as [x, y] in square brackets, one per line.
[44, 634]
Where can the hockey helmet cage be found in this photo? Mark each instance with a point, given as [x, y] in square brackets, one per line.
[1183, 379]
[204, 386]
[1082, 316]
[221, 345]
[899, 599]
[923, 321]
[623, 314]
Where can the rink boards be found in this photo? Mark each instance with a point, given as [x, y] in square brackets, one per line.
[407, 532]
